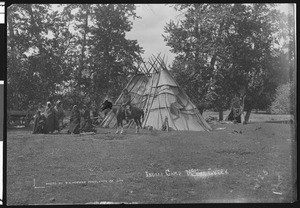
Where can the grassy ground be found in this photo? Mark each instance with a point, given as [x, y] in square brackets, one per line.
[72, 169]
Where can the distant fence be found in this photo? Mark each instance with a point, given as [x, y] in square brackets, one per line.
[15, 117]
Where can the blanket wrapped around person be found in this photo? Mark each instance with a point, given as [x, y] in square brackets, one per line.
[236, 110]
[39, 126]
[51, 120]
[74, 127]
[86, 125]
[60, 114]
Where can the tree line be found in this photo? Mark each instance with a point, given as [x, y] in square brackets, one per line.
[225, 49]
[78, 53]
[81, 53]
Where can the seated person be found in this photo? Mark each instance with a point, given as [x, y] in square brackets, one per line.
[126, 103]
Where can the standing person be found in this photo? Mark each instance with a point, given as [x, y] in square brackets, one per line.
[95, 112]
[39, 126]
[236, 109]
[74, 126]
[50, 118]
[126, 102]
[41, 108]
[60, 115]
[86, 125]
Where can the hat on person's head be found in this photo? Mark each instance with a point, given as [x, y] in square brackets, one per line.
[48, 103]
[58, 102]
[74, 106]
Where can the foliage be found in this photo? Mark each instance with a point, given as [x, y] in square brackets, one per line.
[79, 50]
[284, 102]
[225, 49]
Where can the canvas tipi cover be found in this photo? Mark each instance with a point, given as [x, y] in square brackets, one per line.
[136, 87]
[166, 99]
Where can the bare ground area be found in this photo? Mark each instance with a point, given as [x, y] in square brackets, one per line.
[78, 169]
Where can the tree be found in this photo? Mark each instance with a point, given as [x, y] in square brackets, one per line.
[34, 66]
[283, 102]
[113, 56]
[106, 56]
[200, 42]
[227, 48]
[80, 52]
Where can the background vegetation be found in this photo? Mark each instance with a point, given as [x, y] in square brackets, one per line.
[80, 54]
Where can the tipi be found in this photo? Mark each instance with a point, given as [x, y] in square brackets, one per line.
[161, 97]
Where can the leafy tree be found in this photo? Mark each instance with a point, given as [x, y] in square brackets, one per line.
[113, 56]
[226, 48]
[80, 52]
[283, 102]
[33, 76]
[105, 56]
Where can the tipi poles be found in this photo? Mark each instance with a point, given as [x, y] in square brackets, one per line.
[160, 62]
[146, 69]
[108, 115]
[146, 107]
[139, 104]
[146, 117]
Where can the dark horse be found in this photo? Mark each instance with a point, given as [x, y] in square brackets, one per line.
[134, 113]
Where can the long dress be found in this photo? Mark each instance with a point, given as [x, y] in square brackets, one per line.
[86, 125]
[60, 117]
[74, 126]
[51, 122]
[39, 126]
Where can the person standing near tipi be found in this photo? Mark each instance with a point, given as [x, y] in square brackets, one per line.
[126, 102]
[50, 118]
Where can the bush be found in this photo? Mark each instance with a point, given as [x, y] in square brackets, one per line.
[284, 102]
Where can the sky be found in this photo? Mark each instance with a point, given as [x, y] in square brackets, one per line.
[149, 29]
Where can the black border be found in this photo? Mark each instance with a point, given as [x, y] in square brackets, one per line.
[3, 73]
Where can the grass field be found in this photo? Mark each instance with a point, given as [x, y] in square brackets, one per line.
[257, 161]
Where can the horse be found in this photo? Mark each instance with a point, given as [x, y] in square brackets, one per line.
[134, 113]
[106, 105]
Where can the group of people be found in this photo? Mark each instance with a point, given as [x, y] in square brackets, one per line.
[50, 120]
[76, 126]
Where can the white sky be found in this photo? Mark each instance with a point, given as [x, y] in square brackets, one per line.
[149, 28]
